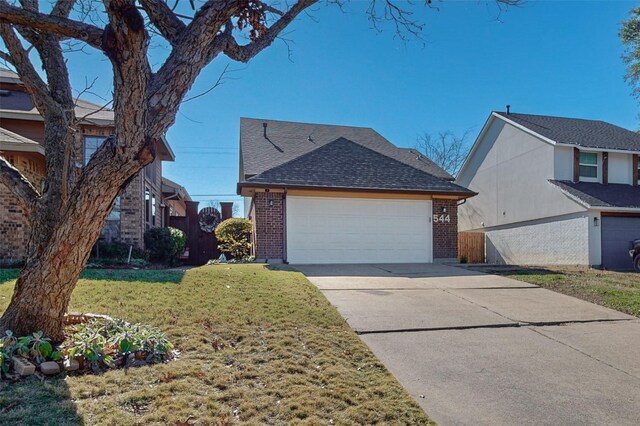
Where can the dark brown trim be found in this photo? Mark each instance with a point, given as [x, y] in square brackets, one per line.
[605, 167]
[459, 195]
[576, 165]
[619, 214]
[635, 170]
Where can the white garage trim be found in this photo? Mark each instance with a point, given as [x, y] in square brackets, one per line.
[358, 230]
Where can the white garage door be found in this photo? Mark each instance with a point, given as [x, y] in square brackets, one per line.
[358, 230]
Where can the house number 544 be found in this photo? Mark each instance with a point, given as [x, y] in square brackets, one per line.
[442, 218]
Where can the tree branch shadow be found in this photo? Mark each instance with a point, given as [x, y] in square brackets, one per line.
[34, 402]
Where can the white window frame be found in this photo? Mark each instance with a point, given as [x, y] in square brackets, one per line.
[596, 165]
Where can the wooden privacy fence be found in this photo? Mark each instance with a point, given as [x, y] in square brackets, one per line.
[471, 247]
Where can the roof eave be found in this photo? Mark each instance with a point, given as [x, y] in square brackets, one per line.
[166, 154]
[259, 185]
[22, 147]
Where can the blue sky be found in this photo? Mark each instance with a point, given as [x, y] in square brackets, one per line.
[547, 57]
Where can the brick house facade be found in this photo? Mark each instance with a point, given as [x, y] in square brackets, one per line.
[139, 206]
[335, 194]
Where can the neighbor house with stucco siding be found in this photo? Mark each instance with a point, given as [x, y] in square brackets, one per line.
[553, 190]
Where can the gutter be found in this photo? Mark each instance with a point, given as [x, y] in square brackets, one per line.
[462, 195]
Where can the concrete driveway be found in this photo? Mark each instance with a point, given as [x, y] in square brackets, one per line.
[473, 348]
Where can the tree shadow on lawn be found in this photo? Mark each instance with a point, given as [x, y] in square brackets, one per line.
[8, 276]
[135, 275]
[32, 401]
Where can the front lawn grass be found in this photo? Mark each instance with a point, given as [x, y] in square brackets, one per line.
[258, 347]
[615, 290]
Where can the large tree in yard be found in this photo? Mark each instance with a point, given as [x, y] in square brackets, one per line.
[68, 211]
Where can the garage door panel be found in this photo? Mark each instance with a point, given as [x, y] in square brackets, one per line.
[617, 236]
[342, 230]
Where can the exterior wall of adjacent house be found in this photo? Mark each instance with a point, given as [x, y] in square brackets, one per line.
[561, 240]
[620, 168]
[14, 227]
[127, 226]
[511, 170]
[525, 218]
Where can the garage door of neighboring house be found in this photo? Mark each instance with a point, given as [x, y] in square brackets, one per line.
[358, 230]
[617, 236]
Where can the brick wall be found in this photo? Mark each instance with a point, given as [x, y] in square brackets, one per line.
[269, 225]
[445, 233]
[132, 213]
[14, 228]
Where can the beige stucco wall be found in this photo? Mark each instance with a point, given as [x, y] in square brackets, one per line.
[511, 170]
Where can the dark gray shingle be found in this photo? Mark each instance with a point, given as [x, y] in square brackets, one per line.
[346, 164]
[599, 195]
[579, 132]
[288, 140]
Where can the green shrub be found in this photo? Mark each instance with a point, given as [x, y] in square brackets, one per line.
[232, 234]
[165, 244]
[115, 250]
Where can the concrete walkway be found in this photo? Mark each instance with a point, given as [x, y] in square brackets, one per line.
[473, 348]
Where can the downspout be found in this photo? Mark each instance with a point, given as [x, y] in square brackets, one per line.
[284, 227]
[253, 228]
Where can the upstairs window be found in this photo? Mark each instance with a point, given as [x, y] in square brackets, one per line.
[150, 171]
[589, 166]
[91, 145]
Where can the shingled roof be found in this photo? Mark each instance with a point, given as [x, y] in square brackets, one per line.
[263, 148]
[575, 131]
[10, 141]
[597, 195]
[345, 164]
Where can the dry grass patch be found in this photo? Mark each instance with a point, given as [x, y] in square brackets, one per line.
[258, 347]
[615, 290]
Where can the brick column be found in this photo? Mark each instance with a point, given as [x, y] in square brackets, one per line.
[269, 222]
[445, 231]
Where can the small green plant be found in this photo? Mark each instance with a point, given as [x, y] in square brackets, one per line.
[165, 244]
[7, 346]
[104, 344]
[463, 259]
[232, 234]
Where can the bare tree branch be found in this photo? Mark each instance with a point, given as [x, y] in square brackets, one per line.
[244, 53]
[56, 24]
[164, 19]
[6, 57]
[18, 184]
[446, 149]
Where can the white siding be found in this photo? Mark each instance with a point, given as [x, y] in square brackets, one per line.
[563, 163]
[595, 238]
[559, 241]
[511, 170]
[620, 168]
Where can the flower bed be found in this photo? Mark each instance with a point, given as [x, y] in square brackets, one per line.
[94, 343]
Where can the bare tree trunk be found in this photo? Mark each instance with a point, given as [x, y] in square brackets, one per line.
[59, 246]
[67, 216]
